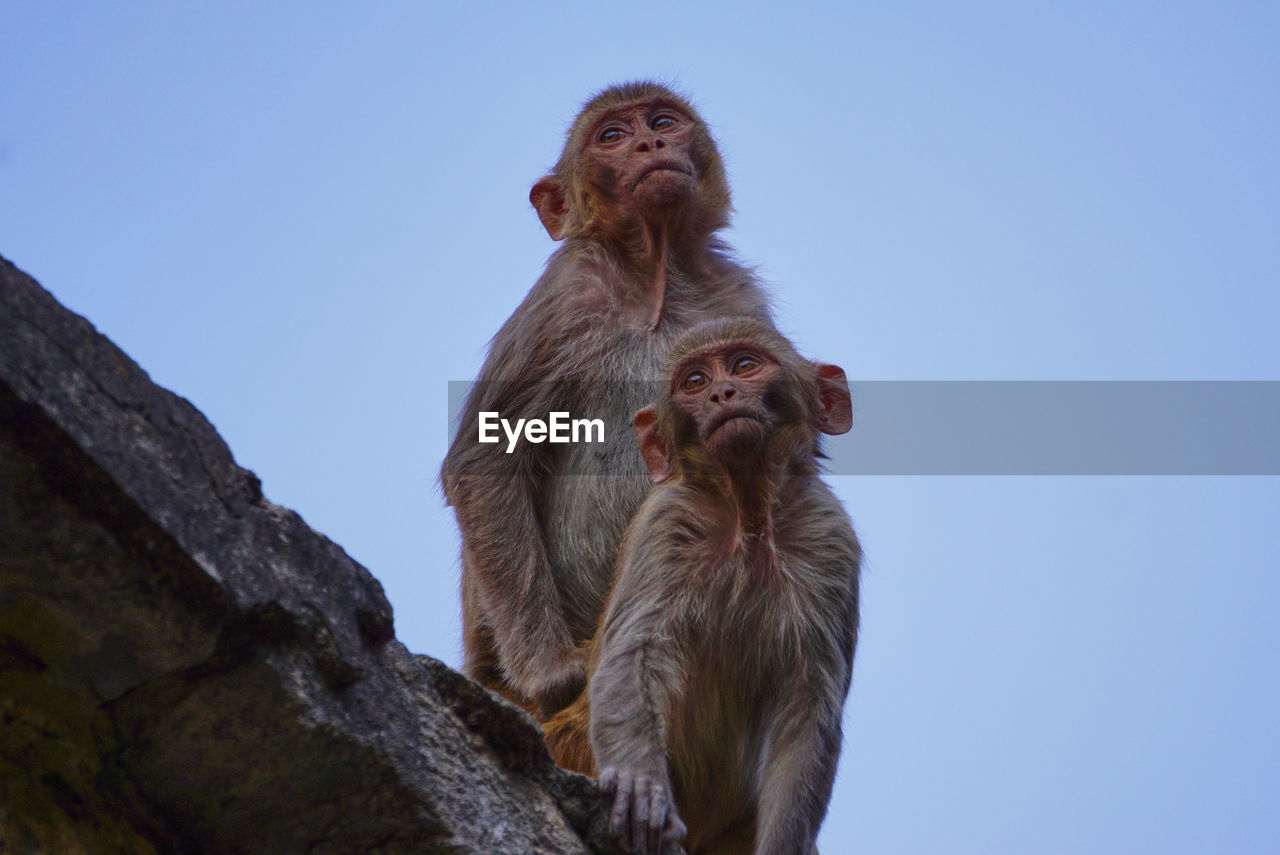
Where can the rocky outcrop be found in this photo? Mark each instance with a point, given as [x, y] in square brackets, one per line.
[186, 667]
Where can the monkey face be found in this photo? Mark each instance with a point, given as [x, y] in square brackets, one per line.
[638, 155]
[739, 394]
[642, 153]
[724, 391]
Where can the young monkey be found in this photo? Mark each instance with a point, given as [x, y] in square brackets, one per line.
[720, 669]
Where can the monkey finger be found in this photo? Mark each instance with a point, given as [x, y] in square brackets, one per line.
[640, 816]
[658, 807]
[608, 780]
[619, 817]
[675, 828]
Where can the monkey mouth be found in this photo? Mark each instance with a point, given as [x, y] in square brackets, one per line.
[661, 166]
[732, 417]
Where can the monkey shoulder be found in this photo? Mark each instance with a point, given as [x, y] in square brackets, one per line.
[739, 294]
[815, 501]
[583, 279]
[663, 511]
[664, 531]
[732, 288]
[817, 543]
[816, 532]
[564, 305]
[540, 341]
[672, 506]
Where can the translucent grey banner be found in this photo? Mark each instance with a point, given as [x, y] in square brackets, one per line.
[1035, 428]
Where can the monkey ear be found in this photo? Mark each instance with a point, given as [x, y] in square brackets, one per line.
[548, 200]
[645, 424]
[835, 405]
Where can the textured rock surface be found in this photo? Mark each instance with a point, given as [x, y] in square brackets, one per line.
[186, 667]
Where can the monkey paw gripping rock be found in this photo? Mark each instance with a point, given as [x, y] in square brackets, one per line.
[186, 667]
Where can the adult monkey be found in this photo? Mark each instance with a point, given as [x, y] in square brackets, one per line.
[637, 197]
[722, 663]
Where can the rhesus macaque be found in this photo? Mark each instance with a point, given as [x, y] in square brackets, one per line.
[722, 663]
[637, 198]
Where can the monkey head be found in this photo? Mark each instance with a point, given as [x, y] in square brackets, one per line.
[637, 154]
[739, 391]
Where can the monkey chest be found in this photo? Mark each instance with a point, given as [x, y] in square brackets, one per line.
[595, 484]
[754, 626]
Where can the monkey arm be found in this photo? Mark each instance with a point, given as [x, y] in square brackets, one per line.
[637, 669]
[798, 772]
[511, 603]
[633, 680]
[799, 766]
[804, 747]
[505, 557]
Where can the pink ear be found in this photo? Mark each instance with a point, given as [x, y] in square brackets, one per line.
[835, 406]
[645, 424]
[547, 197]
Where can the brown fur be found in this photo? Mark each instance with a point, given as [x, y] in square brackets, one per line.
[723, 660]
[639, 264]
[568, 739]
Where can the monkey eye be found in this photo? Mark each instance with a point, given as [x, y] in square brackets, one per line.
[610, 135]
[663, 122]
[745, 365]
[694, 380]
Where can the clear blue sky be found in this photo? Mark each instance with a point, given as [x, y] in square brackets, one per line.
[307, 218]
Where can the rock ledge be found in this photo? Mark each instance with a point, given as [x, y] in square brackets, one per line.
[186, 667]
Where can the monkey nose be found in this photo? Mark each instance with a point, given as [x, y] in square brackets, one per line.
[722, 393]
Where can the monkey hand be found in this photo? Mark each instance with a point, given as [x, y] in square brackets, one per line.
[560, 681]
[644, 816]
